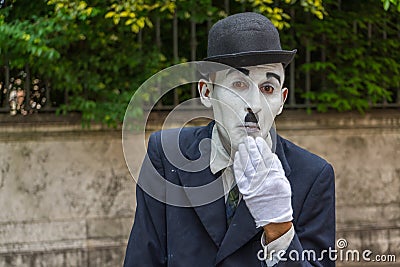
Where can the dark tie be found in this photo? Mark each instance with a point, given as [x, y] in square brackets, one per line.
[231, 203]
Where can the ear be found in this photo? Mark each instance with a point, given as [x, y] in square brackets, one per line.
[205, 91]
[285, 92]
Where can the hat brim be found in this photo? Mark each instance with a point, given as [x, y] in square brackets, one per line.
[253, 58]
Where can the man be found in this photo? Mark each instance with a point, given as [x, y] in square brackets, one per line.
[277, 200]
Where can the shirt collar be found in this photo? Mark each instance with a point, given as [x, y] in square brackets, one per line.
[219, 159]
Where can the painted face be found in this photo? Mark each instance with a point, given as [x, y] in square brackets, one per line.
[246, 101]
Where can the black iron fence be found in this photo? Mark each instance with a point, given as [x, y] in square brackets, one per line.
[24, 93]
[295, 99]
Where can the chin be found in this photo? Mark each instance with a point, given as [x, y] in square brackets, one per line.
[256, 134]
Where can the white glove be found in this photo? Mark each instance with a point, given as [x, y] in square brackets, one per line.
[261, 180]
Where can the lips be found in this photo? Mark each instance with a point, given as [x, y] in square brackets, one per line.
[251, 122]
[251, 127]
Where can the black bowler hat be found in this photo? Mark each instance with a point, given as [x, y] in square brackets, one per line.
[246, 39]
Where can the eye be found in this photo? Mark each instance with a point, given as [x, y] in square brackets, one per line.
[240, 85]
[267, 89]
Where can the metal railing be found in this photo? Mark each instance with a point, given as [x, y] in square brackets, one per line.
[293, 101]
[22, 92]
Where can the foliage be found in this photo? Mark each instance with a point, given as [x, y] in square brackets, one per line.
[133, 12]
[362, 57]
[277, 14]
[100, 51]
[77, 49]
[387, 3]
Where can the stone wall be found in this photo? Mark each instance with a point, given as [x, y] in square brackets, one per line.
[67, 198]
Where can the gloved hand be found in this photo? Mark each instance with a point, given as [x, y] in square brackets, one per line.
[261, 180]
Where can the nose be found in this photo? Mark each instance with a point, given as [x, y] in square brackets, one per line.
[253, 100]
[254, 105]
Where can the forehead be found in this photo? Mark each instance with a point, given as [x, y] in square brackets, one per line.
[252, 71]
[266, 67]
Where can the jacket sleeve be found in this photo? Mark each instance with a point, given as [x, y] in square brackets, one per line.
[315, 229]
[146, 245]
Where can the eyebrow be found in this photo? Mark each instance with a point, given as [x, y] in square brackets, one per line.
[247, 72]
[274, 75]
[242, 70]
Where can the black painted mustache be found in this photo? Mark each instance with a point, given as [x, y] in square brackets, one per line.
[250, 116]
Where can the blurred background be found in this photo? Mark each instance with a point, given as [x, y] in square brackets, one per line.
[69, 69]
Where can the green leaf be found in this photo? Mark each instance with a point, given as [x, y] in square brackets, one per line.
[386, 4]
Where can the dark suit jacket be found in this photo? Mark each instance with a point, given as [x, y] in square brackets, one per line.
[167, 235]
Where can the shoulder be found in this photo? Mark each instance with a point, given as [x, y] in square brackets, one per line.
[302, 161]
[183, 133]
[312, 178]
[184, 138]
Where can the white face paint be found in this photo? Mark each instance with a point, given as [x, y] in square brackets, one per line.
[234, 93]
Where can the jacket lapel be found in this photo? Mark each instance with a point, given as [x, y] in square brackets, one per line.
[211, 215]
[203, 189]
[240, 231]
